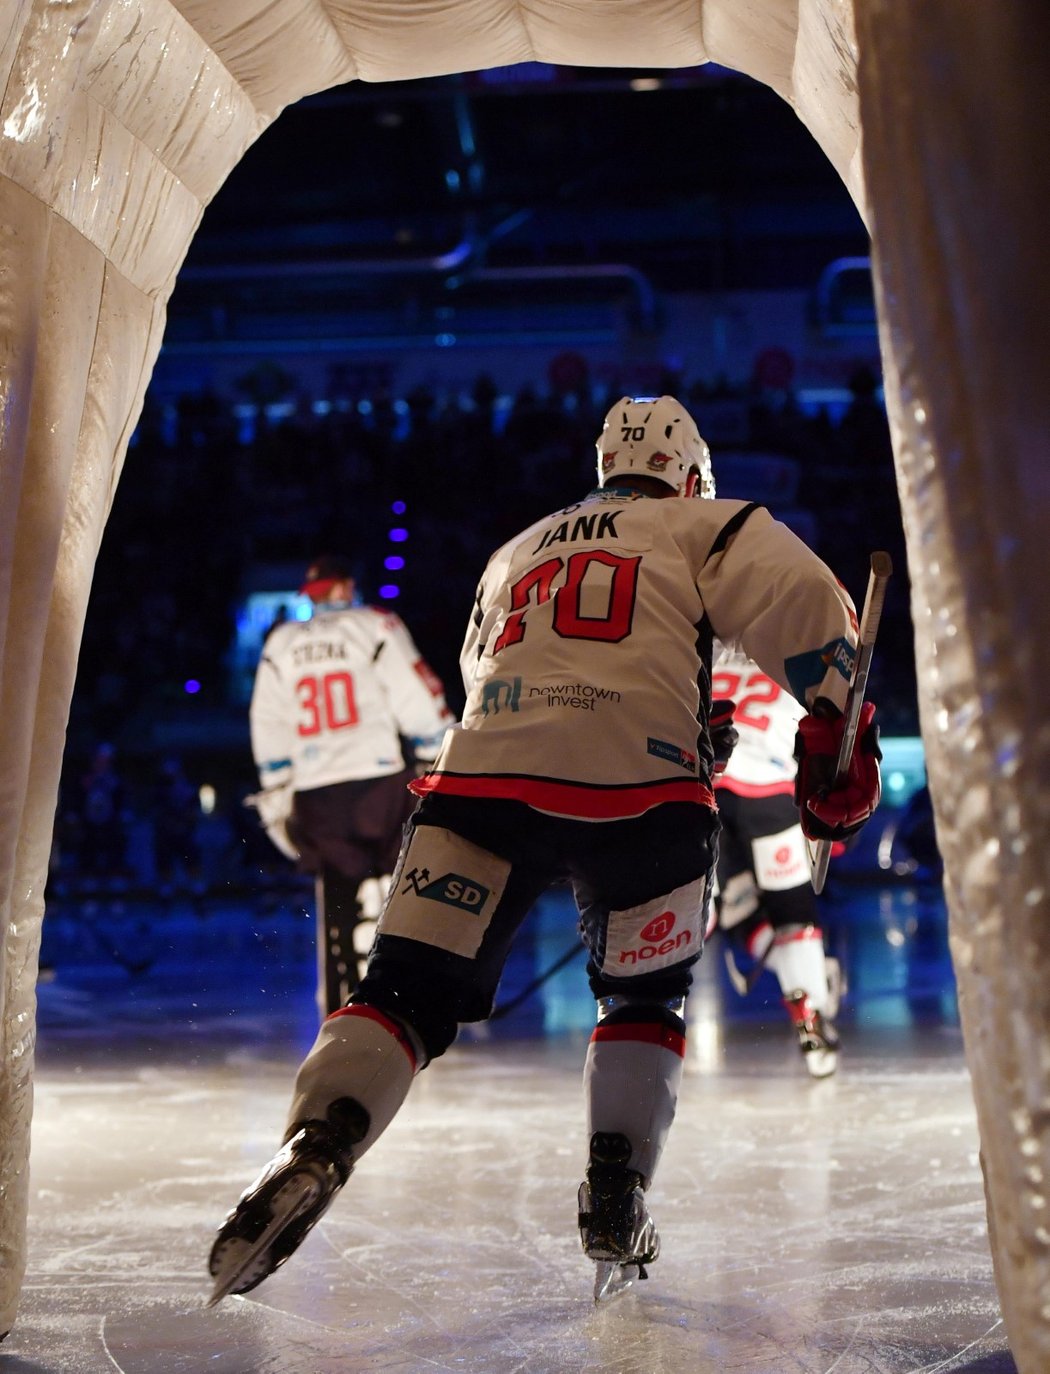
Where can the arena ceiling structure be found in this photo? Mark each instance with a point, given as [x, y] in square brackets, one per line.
[402, 205]
[122, 118]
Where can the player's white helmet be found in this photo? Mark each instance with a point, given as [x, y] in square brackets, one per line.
[655, 436]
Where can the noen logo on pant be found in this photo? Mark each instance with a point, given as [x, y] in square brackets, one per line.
[658, 928]
[452, 889]
[656, 940]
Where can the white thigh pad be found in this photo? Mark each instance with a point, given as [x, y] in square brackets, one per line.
[780, 860]
[444, 892]
[656, 934]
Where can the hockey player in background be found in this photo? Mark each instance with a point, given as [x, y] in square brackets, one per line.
[333, 696]
[765, 903]
[584, 754]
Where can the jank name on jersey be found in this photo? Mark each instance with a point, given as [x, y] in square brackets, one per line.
[318, 651]
[598, 525]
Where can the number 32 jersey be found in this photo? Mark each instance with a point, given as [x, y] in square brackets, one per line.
[587, 660]
[333, 693]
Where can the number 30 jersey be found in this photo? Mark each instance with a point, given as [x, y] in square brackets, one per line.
[587, 661]
[333, 693]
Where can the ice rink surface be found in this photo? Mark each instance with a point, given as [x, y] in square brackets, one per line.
[833, 1227]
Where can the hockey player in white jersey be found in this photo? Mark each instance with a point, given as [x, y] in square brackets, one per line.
[584, 754]
[765, 903]
[333, 696]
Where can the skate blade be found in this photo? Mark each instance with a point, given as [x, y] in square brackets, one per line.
[611, 1279]
[837, 988]
[822, 1063]
[300, 1192]
[737, 979]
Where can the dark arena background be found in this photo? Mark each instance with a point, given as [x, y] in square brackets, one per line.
[395, 337]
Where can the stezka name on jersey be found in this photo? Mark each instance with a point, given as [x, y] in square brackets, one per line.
[318, 651]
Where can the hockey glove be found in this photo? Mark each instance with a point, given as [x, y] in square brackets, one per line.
[827, 811]
[274, 805]
[724, 734]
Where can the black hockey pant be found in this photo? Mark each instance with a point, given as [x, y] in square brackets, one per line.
[470, 870]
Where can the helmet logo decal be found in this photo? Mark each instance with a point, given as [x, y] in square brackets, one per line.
[607, 460]
[658, 461]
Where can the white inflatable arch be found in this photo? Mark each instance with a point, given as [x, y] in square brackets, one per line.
[120, 120]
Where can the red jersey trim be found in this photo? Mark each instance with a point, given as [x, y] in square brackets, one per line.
[791, 937]
[371, 1014]
[573, 799]
[755, 789]
[645, 1033]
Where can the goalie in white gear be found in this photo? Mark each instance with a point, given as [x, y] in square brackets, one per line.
[333, 697]
[584, 754]
[765, 903]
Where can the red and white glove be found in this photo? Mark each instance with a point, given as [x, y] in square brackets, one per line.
[827, 812]
[724, 734]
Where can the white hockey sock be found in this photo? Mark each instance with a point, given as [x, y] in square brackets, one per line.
[797, 959]
[631, 1080]
[359, 1053]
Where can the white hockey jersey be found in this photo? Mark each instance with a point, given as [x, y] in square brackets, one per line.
[591, 637]
[333, 693]
[762, 763]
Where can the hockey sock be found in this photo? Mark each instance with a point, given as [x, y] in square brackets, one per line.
[797, 959]
[360, 1054]
[632, 1076]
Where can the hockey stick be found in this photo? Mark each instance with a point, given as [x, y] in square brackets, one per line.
[506, 1007]
[819, 851]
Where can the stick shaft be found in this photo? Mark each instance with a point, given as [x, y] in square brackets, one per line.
[871, 614]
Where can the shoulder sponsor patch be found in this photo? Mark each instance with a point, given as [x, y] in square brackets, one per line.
[808, 669]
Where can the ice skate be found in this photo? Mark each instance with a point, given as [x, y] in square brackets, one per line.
[817, 1036]
[275, 1214]
[616, 1229]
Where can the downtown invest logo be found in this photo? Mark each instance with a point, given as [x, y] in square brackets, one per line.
[575, 696]
[500, 694]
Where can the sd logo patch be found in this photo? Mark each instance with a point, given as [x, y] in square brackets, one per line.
[446, 890]
[451, 888]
